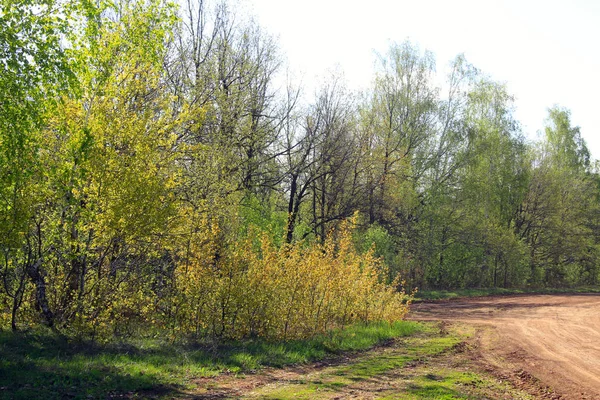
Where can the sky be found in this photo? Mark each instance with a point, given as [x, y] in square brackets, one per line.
[547, 52]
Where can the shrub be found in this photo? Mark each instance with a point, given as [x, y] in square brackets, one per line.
[288, 291]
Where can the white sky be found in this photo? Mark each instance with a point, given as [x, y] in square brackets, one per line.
[548, 52]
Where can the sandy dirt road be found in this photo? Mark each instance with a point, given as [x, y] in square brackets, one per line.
[554, 340]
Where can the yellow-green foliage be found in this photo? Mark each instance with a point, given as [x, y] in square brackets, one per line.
[246, 288]
[291, 291]
[116, 205]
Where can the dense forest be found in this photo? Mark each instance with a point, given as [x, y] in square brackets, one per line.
[161, 173]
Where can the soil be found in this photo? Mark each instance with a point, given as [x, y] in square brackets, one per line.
[548, 344]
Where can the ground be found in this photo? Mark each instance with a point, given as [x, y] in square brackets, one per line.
[434, 364]
[553, 340]
[508, 347]
[502, 347]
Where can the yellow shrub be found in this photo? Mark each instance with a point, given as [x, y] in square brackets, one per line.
[292, 291]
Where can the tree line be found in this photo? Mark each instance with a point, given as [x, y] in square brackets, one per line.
[159, 174]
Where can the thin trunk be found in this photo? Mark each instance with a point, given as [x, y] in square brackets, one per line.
[38, 280]
[292, 206]
[17, 300]
[323, 195]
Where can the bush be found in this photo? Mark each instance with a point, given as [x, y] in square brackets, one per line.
[283, 292]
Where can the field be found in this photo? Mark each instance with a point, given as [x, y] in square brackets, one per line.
[403, 360]
[433, 363]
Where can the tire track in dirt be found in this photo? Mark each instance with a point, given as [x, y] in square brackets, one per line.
[553, 339]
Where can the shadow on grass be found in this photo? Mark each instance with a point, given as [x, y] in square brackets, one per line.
[46, 366]
[42, 365]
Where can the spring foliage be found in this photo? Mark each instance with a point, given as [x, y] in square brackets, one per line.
[118, 223]
[289, 291]
[155, 181]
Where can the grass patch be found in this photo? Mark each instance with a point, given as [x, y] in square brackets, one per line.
[345, 379]
[422, 366]
[445, 384]
[43, 365]
[428, 343]
[449, 383]
[480, 292]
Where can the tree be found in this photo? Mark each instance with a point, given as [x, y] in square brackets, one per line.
[403, 107]
[557, 215]
[35, 68]
[321, 162]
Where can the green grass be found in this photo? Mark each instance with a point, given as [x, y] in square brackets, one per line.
[442, 385]
[422, 366]
[381, 364]
[46, 366]
[342, 379]
[458, 293]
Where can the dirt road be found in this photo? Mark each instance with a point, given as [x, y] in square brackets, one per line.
[551, 339]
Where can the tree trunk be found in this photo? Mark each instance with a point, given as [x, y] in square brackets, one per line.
[38, 280]
[17, 300]
[291, 208]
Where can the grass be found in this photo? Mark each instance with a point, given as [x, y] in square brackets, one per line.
[341, 379]
[449, 384]
[423, 366]
[45, 366]
[479, 292]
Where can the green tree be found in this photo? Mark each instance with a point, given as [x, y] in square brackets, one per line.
[557, 216]
[36, 67]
